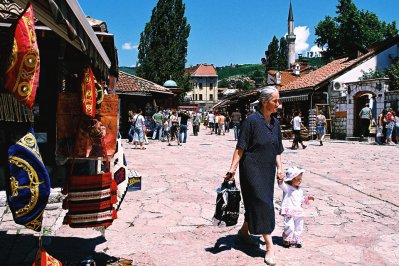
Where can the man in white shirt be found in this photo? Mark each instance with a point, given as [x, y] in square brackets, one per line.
[296, 125]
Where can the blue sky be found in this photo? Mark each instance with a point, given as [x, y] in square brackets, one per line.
[225, 32]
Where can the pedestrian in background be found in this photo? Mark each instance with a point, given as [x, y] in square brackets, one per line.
[321, 122]
[227, 122]
[183, 126]
[236, 119]
[258, 152]
[390, 124]
[196, 123]
[297, 125]
[291, 206]
[158, 118]
[365, 118]
[174, 128]
[381, 130]
[131, 126]
[139, 129]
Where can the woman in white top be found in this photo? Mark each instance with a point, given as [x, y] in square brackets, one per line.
[174, 128]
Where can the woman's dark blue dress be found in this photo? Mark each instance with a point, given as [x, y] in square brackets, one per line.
[261, 143]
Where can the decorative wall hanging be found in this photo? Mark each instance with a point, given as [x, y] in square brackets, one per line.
[28, 187]
[22, 74]
[72, 125]
[88, 93]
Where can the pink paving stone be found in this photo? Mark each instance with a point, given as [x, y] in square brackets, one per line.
[355, 206]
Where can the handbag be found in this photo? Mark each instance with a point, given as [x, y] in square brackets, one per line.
[227, 205]
[90, 198]
[74, 127]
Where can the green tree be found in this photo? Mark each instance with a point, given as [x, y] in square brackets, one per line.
[272, 54]
[393, 75]
[163, 44]
[258, 77]
[283, 54]
[351, 29]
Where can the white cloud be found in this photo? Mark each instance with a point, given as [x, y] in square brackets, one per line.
[129, 46]
[301, 43]
[316, 48]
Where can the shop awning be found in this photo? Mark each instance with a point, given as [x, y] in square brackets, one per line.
[295, 98]
[66, 18]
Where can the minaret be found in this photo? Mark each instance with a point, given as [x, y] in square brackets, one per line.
[291, 38]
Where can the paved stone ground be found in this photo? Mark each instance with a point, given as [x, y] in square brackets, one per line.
[353, 221]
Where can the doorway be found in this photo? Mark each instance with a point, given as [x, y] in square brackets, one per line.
[360, 101]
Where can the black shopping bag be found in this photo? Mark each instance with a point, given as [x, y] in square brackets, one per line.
[227, 205]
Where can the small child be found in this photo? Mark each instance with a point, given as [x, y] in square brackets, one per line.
[291, 206]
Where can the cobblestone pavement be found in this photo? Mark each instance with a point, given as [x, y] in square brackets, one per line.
[353, 221]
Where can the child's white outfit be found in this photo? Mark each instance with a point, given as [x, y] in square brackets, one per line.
[291, 209]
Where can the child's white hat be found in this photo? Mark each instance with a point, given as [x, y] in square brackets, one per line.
[293, 172]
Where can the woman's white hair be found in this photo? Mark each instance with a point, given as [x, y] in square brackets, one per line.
[267, 92]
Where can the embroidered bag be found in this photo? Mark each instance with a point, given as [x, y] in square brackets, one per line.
[22, 74]
[29, 183]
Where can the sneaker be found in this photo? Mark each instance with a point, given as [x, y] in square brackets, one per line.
[298, 245]
[321, 143]
[304, 147]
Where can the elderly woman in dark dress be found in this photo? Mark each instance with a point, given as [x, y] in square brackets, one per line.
[258, 152]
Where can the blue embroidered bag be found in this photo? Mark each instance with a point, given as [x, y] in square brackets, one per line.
[28, 187]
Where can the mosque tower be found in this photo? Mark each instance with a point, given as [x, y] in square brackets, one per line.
[291, 38]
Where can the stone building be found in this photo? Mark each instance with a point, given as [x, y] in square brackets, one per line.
[204, 81]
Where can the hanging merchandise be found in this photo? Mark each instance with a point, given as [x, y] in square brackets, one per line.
[119, 171]
[90, 198]
[45, 259]
[22, 75]
[28, 187]
[88, 93]
[74, 127]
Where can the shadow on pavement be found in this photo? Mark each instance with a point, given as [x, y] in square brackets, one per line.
[231, 242]
[20, 249]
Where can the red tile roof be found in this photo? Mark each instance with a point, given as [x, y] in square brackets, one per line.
[128, 83]
[204, 70]
[286, 76]
[334, 68]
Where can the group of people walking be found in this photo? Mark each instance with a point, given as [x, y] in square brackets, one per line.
[168, 126]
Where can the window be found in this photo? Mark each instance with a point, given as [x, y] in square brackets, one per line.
[200, 85]
[200, 96]
[211, 97]
[211, 87]
[195, 97]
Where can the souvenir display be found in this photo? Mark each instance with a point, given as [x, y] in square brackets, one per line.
[29, 184]
[74, 127]
[45, 259]
[22, 74]
[90, 198]
[119, 171]
[88, 93]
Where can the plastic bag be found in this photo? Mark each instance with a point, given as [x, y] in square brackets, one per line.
[227, 205]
